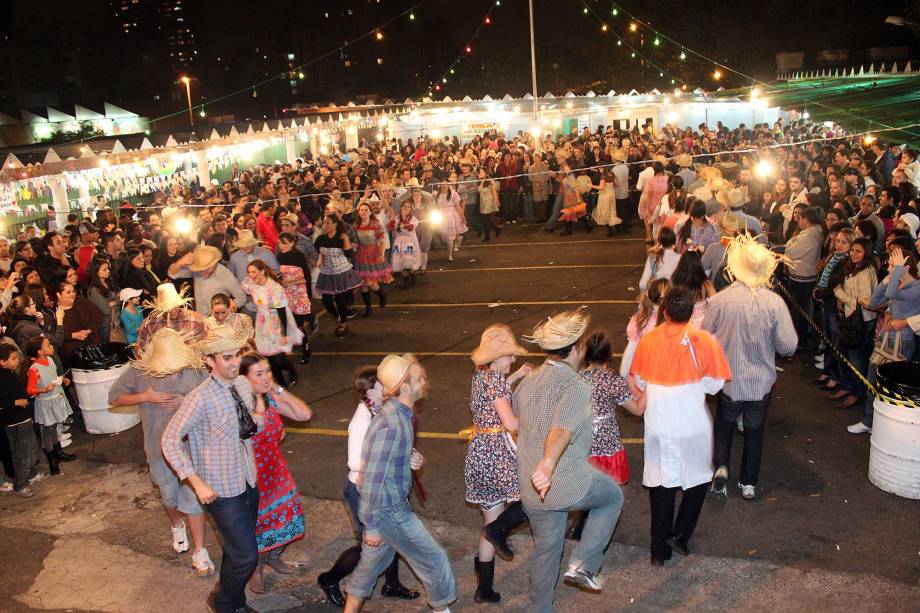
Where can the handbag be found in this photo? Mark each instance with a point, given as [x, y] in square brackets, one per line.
[247, 425]
[852, 330]
[883, 355]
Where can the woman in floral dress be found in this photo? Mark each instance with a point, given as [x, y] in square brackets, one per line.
[491, 464]
[275, 327]
[280, 518]
[370, 262]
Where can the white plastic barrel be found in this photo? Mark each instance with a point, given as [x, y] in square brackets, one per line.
[894, 455]
[93, 394]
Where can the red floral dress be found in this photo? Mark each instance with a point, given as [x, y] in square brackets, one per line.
[608, 391]
[280, 519]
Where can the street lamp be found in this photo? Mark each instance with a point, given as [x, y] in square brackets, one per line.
[188, 93]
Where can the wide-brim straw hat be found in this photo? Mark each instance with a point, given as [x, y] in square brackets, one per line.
[393, 372]
[413, 182]
[684, 160]
[204, 258]
[168, 299]
[219, 340]
[751, 262]
[560, 330]
[729, 224]
[660, 158]
[619, 155]
[731, 198]
[497, 342]
[709, 173]
[167, 353]
[246, 239]
[467, 162]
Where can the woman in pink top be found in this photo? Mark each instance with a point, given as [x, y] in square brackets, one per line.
[656, 187]
[644, 320]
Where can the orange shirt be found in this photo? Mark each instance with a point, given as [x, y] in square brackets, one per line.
[678, 354]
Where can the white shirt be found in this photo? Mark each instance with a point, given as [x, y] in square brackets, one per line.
[664, 269]
[621, 189]
[644, 177]
[357, 428]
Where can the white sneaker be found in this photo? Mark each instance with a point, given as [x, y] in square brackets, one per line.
[747, 491]
[38, 477]
[65, 436]
[66, 442]
[6, 486]
[202, 563]
[859, 428]
[584, 580]
[819, 364]
[180, 538]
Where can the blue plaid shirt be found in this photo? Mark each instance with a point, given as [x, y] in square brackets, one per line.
[387, 475]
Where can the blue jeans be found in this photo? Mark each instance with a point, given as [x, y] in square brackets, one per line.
[859, 357]
[604, 500]
[401, 531]
[352, 499]
[236, 521]
[527, 204]
[555, 213]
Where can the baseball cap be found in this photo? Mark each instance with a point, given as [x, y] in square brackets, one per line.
[128, 293]
[88, 228]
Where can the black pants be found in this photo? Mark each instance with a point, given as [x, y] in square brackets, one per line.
[631, 211]
[801, 294]
[337, 305]
[489, 223]
[280, 364]
[24, 452]
[663, 524]
[624, 212]
[753, 412]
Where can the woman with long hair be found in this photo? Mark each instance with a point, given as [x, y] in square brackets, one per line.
[137, 276]
[698, 231]
[78, 319]
[488, 206]
[370, 257]
[405, 258]
[337, 278]
[295, 275]
[643, 320]
[655, 188]
[605, 214]
[280, 517]
[690, 273]
[166, 254]
[103, 293]
[452, 225]
[276, 331]
[830, 275]
[662, 259]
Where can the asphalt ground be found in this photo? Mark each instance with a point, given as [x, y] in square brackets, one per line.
[815, 509]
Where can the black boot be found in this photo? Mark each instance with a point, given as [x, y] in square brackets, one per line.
[382, 297]
[587, 224]
[61, 456]
[578, 527]
[568, 229]
[497, 532]
[392, 588]
[53, 467]
[366, 297]
[305, 352]
[485, 573]
[329, 581]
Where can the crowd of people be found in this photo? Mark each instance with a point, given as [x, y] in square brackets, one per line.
[761, 241]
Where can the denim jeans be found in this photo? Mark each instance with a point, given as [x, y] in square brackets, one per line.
[401, 531]
[24, 450]
[554, 214]
[352, 499]
[753, 412]
[859, 357]
[527, 205]
[236, 521]
[604, 500]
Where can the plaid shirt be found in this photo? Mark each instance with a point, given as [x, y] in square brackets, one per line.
[208, 417]
[554, 396]
[185, 321]
[387, 475]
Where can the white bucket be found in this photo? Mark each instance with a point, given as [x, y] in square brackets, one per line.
[894, 455]
[93, 394]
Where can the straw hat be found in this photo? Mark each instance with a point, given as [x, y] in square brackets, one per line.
[497, 342]
[719, 184]
[291, 218]
[467, 162]
[393, 372]
[413, 182]
[662, 159]
[560, 330]
[619, 155]
[167, 299]
[729, 223]
[732, 198]
[702, 193]
[751, 262]
[684, 160]
[220, 339]
[204, 258]
[167, 353]
[246, 239]
[708, 173]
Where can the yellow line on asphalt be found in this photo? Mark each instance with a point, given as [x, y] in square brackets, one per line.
[547, 267]
[424, 354]
[596, 240]
[500, 304]
[434, 435]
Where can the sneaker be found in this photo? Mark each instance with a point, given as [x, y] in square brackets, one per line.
[202, 563]
[66, 442]
[180, 538]
[859, 428]
[25, 492]
[6, 486]
[747, 491]
[819, 364]
[819, 357]
[584, 580]
[38, 477]
[719, 481]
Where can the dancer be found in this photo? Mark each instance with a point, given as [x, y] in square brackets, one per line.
[452, 225]
[280, 520]
[406, 251]
[370, 260]
[643, 320]
[675, 366]
[605, 214]
[295, 278]
[370, 400]
[276, 330]
[422, 207]
[337, 278]
[490, 469]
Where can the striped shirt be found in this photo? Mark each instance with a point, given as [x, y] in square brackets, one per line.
[218, 455]
[752, 326]
[385, 455]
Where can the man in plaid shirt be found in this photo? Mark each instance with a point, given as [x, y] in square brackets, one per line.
[390, 525]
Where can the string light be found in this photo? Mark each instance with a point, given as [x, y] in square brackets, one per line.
[632, 26]
[604, 28]
[657, 41]
[379, 35]
[683, 55]
[411, 16]
[615, 12]
[717, 74]
[469, 49]
[488, 20]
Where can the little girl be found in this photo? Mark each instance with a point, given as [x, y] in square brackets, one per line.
[131, 314]
[51, 406]
[645, 320]
[405, 258]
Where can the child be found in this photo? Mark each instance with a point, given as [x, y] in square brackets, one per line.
[645, 319]
[16, 419]
[51, 406]
[406, 246]
[131, 314]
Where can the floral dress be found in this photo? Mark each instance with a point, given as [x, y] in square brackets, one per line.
[268, 298]
[406, 250]
[452, 224]
[280, 518]
[608, 391]
[369, 264]
[491, 464]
